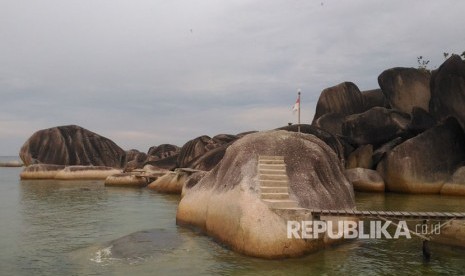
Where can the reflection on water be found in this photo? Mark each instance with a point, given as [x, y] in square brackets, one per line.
[85, 228]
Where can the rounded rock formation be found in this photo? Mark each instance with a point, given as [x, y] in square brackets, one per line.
[424, 163]
[71, 145]
[226, 202]
[365, 180]
[375, 126]
[456, 184]
[406, 88]
[343, 99]
[448, 90]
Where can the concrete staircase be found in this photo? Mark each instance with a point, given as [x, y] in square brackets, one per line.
[274, 183]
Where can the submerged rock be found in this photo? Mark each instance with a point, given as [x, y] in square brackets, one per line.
[226, 201]
[71, 145]
[41, 171]
[86, 173]
[126, 179]
[139, 246]
[424, 163]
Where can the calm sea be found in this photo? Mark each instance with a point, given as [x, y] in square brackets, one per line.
[67, 228]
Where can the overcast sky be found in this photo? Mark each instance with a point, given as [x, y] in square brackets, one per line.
[147, 72]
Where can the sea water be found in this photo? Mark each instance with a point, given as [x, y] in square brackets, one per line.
[84, 228]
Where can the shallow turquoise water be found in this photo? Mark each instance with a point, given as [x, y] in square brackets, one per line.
[62, 228]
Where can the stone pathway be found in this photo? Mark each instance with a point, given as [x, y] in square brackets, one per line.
[274, 183]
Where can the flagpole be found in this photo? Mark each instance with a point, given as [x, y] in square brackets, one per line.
[298, 120]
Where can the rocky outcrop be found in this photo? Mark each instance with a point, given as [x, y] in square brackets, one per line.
[226, 201]
[375, 126]
[406, 88]
[194, 150]
[41, 171]
[126, 180]
[162, 151]
[86, 173]
[330, 122]
[448, 90]
[343, 99]
[11, 164]
[424, 163]
[134, 160]
[71, 145]
[331, 140]
[361, 158]
[171, 182]
[374, 98]
[456, 184]
[381, 151]
[365, 180]
[420, 121]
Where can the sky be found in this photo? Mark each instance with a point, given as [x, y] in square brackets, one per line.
[149, 72]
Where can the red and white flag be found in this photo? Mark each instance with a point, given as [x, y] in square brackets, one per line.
[296, 105]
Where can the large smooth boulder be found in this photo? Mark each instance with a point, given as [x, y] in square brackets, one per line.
[343, 99]
[134, 160]
[226, 202]
[373, 98]
[196, 148]
[361, 158]
[424, 163]
[71, 145]
[448, 90]
[406, 88]
[330, 139]
[162, 151]
[421, 120]
[375, 126]
[330, 122]
[365, 180]
[171, 182]
[456, 184]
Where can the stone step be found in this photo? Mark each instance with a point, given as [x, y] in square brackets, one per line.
[275, 196]
[273, 177]
[274, 183]
[265, 189]
[270, 157]
[272, 171]
[272, 167]
[281, 204]
[270, 161]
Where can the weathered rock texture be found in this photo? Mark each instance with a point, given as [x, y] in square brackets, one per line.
[361, 158]
[343, 99]
[41, 171]
[365, 180]
[226, 201]
[406, 88]
[86, 173]
[456, 184]
[448, 90]
[192, 153]
[375, 126]
[424, 163]
[71, 145]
